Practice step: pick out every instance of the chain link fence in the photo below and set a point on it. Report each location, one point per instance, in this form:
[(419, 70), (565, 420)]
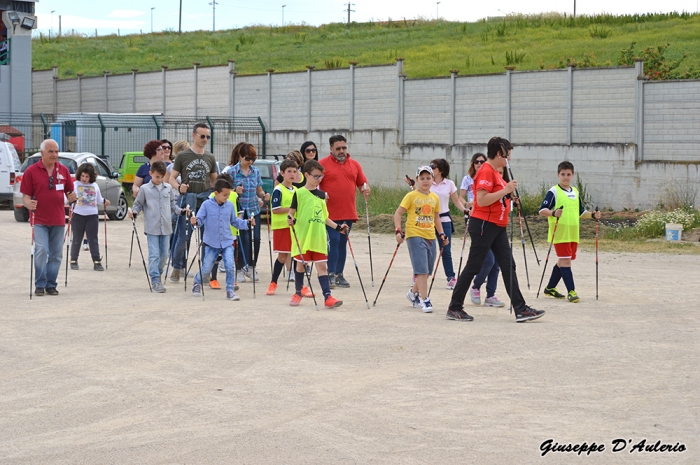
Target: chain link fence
[(109, 135)]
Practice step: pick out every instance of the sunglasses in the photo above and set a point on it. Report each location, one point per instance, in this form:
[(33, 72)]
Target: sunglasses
[(252, 160), (317, 177), (433, 165), (310, 151), (203, 136), (51, 183), (479, 162), (166, 147), (159, 149)]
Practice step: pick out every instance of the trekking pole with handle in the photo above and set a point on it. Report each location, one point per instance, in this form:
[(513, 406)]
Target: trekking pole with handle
[(522, 241), (358, 272), (172, 245), (187, 243), (464, 243), (269, 239), (252, 258), (387, 272), (131, 250), (303, 263), (67, 235), (369, 241), (596, 254), (517, 194), (200, 246), (512, 260), (550, 250), (31, 261), (104, 211), (138, 242)]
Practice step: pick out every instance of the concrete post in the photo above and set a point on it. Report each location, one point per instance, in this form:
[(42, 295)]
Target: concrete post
[(352, 95), (399, 87), (106, 73), (231, 88), (453, 105), (133, 89), (639, 108), (80, 93), (570, 112), (402, 112), (509, 70), (269, 98), (196, 78), (163, 69), (55, 90), (308, 111)]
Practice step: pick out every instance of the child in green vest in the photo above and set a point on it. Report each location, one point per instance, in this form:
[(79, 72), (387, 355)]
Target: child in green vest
[(563, 202), (308, 216)]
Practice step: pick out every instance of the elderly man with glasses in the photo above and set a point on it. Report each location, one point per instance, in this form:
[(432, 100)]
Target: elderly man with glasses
[(44, 186), (197, 169)]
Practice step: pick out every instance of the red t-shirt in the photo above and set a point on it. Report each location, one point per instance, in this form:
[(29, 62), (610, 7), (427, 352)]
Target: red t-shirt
[(49, 207), (489, 180), (341, 181)]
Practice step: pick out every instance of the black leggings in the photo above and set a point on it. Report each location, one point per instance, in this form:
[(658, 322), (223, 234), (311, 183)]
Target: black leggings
[(85, 224), (487, 236)]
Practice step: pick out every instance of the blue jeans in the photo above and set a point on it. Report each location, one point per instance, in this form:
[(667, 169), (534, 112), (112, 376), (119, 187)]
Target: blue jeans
[(210, 256), (48, 243), (448, 228), (490, 269), (337, 248), (182, 239), (157, 255), (245, 243)]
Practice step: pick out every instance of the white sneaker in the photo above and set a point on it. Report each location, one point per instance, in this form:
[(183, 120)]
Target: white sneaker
[(452, 283), (413, 298), (249, 274), (85, 245), (493, 302), (230, 295), (426, 306), (475, 295), (291, 276), (240, 277), (222, 267)]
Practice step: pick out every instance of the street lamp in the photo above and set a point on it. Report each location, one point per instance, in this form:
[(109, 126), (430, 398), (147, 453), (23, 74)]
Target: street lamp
[(437, 10), (283, 14), (51, 29), (152, 8)]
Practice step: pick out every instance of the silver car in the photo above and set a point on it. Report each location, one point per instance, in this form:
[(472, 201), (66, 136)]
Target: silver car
[(110, 188)]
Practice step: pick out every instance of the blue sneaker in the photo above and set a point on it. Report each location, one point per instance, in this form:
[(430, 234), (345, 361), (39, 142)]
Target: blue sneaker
[(413, 298)]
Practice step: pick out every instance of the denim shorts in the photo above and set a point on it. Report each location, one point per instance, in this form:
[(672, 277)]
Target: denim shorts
[(422, 253)]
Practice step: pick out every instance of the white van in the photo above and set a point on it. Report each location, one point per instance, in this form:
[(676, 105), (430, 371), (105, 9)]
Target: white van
[(9, 168)]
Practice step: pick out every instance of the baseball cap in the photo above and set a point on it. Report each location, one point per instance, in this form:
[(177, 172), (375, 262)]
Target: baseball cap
[(424, 168)]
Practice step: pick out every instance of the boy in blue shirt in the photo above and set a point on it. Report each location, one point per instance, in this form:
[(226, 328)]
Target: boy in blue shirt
[(217, 214)]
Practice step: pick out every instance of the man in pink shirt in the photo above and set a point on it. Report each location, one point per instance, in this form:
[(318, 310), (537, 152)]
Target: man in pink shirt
[(43, 187), (342, 176)]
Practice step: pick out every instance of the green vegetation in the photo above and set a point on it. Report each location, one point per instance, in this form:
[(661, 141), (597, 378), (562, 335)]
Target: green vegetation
[(430, 48)]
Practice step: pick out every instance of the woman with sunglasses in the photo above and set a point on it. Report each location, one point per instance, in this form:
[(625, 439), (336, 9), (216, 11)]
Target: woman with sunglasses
[(490, 268), (298, 159), (309, 150), (153, 150)]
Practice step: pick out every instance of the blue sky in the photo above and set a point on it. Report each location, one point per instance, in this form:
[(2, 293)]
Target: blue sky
[(132, 16)]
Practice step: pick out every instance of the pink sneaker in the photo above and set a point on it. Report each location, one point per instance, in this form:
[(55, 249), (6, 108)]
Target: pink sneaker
[(451, 283), (493, 302), (475, 295)]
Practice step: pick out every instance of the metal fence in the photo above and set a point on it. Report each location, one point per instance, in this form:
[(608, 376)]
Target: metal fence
[(109, 135)]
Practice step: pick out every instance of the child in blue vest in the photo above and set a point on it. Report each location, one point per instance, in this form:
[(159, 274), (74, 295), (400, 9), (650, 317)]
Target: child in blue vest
[(563, 202)]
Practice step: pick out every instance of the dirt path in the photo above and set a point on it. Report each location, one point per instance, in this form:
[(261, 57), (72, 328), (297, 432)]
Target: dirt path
[(109, 373)]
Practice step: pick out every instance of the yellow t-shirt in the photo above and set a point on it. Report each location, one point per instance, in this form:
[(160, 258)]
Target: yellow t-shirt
[(420, 211)]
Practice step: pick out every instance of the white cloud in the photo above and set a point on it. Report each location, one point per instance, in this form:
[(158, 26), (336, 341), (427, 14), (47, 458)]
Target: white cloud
[(126, 14)]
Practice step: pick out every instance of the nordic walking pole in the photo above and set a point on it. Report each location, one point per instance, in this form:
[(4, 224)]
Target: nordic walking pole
[(358, 272), (138, 242), (597, 221), (269, 239), (187, 244), (131, 250), (517, 194), (549, 251), (70, 217), (303, 263), (172, 245), (464, 243), (200, 245), (252, 260), (387, 272), (104, 210), (522, 241), (289, 275), (31, 261), (369, 241), (437, 264), (512, 259)]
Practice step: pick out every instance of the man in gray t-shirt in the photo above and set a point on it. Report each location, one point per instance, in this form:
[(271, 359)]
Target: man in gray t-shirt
[(196, 171)]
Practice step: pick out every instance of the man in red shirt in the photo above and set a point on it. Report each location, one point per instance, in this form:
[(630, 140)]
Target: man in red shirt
[(342, 176), (44, 185), (487, 229)]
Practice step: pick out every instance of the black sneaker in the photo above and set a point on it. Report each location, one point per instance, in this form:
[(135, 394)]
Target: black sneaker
[(458, 315), (39, 291), (74, 265), (97, 265), (51, 291), (552, 292), (527, 314), (341, 281)]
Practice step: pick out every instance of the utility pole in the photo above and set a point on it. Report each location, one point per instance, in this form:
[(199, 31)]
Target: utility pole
[(179, 24), (437, 11), (283, 14), (213, 6), (152, 8), (349, 10), (574, 9)]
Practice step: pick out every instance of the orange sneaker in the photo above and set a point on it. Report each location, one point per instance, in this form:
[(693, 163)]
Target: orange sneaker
[(296, 300), (306, 292), (331, 302), (271, 289), (214, 284)]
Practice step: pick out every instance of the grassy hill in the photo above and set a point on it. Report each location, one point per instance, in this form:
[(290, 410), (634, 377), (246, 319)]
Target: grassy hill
[(430, 48)]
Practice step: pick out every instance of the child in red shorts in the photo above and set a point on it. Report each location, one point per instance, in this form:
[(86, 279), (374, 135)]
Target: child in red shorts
[(563, 202)]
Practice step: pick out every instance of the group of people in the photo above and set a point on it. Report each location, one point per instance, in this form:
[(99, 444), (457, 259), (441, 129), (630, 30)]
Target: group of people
[(311, 213)]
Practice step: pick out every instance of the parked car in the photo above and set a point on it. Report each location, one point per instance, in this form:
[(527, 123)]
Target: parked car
[(128, 166), (110, 188), (9, 169)]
